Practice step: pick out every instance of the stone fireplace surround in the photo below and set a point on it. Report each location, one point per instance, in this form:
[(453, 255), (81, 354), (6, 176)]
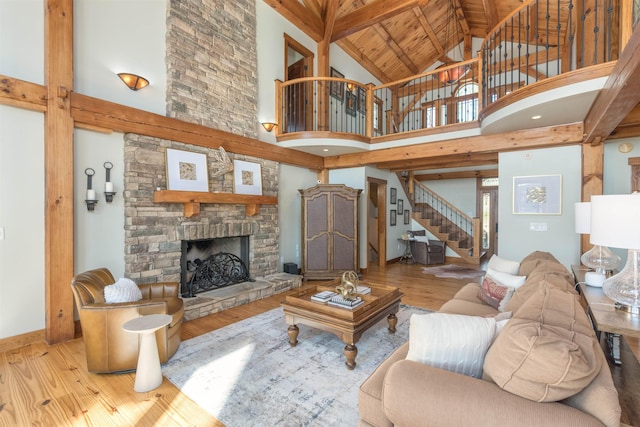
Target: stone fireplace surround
[(154, 231), (211, 57)]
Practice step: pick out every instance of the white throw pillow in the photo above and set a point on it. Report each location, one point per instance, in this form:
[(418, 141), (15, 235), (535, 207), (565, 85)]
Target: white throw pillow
[(124, 290), (506, 279), (504, 265), (454, 342)]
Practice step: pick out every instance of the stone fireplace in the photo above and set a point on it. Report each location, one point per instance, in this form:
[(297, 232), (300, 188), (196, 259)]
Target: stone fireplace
[(211, 81)]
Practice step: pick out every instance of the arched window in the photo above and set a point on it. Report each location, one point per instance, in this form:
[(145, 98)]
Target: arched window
[(467, 94)]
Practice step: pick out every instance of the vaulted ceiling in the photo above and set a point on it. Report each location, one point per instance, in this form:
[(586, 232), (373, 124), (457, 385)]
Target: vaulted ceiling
[(396, 39)]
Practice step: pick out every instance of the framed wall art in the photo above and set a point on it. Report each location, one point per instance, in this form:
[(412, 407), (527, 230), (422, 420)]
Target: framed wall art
[(400, 206), (247, 178), (336, 88), (393, 196), (186, 171), (392, 217), (350, 107), (537, 195), (362, 101), (407, 216)]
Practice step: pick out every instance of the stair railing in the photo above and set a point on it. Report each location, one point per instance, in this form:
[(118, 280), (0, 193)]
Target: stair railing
[(424, 197)]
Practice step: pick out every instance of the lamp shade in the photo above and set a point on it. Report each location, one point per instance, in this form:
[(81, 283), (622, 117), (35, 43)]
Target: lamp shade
[(615, 221), (583, 217)]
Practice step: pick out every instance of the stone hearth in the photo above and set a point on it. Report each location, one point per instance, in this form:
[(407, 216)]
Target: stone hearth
[(217, 300)]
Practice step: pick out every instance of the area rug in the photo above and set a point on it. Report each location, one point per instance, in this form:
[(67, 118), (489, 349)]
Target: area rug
[(247, 374), (453, 271)]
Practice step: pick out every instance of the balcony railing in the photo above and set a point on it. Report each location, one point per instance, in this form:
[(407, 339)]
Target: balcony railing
[(540, 40)]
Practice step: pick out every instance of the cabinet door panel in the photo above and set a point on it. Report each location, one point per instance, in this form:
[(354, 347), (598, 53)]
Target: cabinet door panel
[(317, 215), (344, 215), (343, 253), (317, 256)]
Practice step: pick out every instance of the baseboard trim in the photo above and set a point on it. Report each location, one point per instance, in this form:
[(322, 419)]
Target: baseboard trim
[(17, 341)]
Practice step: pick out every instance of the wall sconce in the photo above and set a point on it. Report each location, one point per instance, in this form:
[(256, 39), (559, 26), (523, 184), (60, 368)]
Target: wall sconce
[(350, 86), (268, 126), (108, 185), (91, 193), (133, 81)]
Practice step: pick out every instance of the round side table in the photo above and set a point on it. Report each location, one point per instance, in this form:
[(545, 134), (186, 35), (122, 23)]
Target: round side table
[(148, 371)]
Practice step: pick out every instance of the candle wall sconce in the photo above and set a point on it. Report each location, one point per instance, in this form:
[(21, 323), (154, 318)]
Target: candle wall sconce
[(108, 185), (91, 193)]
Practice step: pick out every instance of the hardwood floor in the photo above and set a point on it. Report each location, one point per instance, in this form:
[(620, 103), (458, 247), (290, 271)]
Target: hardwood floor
[(50, 385)]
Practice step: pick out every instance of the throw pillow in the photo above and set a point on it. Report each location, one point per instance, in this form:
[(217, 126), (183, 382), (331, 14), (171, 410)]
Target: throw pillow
[(124, 290), (454, 342), (506, 279), (494, 293), (547, 352), (504, 265)]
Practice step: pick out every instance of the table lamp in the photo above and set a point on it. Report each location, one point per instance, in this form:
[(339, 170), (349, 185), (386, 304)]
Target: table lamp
[(615, 222), (599, 258)]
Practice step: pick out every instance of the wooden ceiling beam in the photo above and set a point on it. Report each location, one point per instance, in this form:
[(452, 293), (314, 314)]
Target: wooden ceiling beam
[(86, 110), (438, 162), (545, 137), (22, 94), (300, 16), (370, 14), (462, 19), (428, 29), (358, 56), (480, 173), (491, 14), (620, 95), (384, 34)]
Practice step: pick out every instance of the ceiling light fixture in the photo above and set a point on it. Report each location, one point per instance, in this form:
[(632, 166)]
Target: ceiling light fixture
[(452, 75), (133, 81), (536, 117)]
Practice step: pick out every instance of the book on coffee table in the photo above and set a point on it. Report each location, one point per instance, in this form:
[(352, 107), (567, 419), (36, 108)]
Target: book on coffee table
[(365, 290), (323, 296), (338, 301)]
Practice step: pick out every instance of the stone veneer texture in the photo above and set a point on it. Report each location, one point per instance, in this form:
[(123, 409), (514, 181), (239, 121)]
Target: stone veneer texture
[(212, 81)]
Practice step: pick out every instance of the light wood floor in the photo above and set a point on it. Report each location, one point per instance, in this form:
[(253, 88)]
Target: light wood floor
[(50, 385)]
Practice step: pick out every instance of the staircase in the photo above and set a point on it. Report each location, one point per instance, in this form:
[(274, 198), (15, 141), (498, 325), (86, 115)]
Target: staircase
[(461, 232)]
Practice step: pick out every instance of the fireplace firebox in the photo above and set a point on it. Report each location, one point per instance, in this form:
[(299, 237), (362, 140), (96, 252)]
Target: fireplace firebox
[(210, 264)]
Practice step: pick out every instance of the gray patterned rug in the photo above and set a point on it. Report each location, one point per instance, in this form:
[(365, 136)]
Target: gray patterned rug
[(246, 374)]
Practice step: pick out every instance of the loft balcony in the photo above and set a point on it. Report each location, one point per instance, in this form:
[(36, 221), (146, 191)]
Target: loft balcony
[(548, 58)]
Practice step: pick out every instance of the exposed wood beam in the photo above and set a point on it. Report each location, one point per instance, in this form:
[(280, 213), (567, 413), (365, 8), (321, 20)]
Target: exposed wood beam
[(23, 94), (441, 162), (357, 55), (428, 29), (620, 95), (391, 43), (58, 165), (300, 16), (370, 14), (482, 173), (120, 118), (545, 137), (490, 13), (315, 6), (462, 19)]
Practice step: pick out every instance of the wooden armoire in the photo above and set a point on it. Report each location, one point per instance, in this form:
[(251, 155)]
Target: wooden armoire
[(329, 231)]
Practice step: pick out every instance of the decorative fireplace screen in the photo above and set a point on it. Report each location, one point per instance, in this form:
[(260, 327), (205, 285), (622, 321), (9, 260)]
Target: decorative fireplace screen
[(214, 263)]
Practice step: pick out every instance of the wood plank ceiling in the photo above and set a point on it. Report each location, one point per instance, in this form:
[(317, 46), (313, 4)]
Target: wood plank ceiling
[(395, 39)]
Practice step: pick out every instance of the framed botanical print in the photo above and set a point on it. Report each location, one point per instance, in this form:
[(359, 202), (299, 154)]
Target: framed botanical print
[(187, 171)]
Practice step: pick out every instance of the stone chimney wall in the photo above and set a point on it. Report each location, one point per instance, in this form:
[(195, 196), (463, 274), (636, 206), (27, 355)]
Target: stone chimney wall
[(212, 81)]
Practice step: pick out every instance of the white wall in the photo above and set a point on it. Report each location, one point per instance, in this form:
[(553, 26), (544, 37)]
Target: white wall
[(516, 240), (461, 193), (21, 217), (291, 180)]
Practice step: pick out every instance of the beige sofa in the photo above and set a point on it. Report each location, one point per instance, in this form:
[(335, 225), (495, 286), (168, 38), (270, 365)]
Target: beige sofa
[(402, 392)]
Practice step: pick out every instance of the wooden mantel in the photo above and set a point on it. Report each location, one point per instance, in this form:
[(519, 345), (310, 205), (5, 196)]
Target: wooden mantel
[(192, 200)]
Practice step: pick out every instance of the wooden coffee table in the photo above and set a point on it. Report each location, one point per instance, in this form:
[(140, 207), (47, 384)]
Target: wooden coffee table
[(348, 325)]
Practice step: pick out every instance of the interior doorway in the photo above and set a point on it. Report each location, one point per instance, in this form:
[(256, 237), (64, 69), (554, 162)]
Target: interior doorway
[(376, 222), (488, 209), (298, 107)]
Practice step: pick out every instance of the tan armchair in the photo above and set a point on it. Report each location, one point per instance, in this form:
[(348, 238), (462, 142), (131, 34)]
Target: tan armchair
[(427, 251), (108, 347)]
